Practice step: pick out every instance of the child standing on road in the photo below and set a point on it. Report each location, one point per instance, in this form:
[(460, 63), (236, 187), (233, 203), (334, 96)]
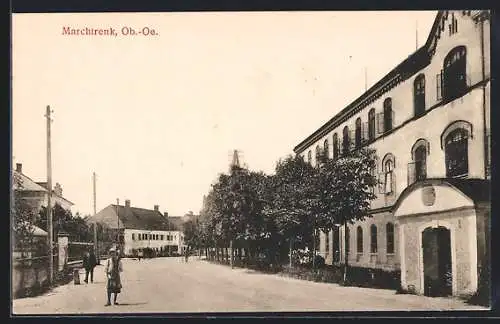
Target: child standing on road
[(113, 269)]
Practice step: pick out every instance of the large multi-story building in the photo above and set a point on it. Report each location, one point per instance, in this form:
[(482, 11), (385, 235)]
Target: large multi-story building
[(428, 120)]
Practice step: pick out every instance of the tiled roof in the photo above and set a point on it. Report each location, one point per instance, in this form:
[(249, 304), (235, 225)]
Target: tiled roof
[(27, 184), (136, 218)]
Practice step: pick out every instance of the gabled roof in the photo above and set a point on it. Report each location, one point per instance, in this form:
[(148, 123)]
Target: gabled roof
[(27, 184), (407, 68), (478, 190), (133, 218)]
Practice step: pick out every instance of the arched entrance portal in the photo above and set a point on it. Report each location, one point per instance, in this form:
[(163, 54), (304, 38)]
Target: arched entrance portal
[(437, 261)]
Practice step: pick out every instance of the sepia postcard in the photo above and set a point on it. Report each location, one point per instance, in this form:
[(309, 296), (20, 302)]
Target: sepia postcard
[(250, 162)]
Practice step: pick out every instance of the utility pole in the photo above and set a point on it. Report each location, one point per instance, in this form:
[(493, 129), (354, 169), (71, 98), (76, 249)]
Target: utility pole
[(49, 205), (96, 250), (366, 79), (117, 224)]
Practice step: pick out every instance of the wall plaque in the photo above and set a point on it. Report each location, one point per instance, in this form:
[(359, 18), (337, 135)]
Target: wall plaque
[(428, 195)]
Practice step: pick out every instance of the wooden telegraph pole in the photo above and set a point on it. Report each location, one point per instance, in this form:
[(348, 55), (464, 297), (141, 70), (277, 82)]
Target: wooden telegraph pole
[(49, 205), (96, 248)]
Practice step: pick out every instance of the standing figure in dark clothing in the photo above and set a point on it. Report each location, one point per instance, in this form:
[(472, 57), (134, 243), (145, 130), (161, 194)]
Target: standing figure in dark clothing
[(89, 263), (113, 269)]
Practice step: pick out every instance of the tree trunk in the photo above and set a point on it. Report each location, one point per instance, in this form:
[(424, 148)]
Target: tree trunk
[(232, 254), (291, 250), (346, 253), (314, 250)]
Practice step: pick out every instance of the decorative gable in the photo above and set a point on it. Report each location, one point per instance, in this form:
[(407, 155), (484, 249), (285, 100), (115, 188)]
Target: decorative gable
[(448, 23)]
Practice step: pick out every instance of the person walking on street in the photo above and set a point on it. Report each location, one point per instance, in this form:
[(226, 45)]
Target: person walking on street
[(113, 268), (89, 263), (186, 255)]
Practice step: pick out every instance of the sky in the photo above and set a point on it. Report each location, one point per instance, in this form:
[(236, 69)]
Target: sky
[(157, 117)]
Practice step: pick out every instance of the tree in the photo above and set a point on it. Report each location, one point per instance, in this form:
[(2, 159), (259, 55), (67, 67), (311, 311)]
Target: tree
[(64, 222), (345, 189), (292, 203), (191, 234), (23, 213)]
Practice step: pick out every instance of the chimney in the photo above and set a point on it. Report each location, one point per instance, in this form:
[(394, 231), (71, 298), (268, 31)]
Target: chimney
[(19, 167), (157, 208), (127, 203), (165, 214)]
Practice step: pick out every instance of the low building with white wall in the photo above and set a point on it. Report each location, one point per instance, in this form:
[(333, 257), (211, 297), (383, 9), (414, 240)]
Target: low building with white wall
[(141, 228)]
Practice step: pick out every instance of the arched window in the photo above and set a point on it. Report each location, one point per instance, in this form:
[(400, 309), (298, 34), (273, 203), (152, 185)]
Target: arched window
[(358, 133), (456, 153), (388, 165), (373, 238), (389, 232), (371, 124), (417, 169), (345, 140), (359, 239), (326, 150), (335, 146), (309, 156), (420, 162), (419, 95), (454, 82), (318, 152), (388, 114)]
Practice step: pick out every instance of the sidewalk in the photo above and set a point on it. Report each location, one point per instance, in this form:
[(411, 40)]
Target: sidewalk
[(59, 298)]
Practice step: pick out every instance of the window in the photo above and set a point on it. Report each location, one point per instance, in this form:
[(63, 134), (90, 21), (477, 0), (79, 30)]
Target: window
[(371, 124), (388, 183), (327, 242), (133, 237), (359, 239), (387, 177), (388, 114), (358, 133), (389, 232), (335, 146), (453, 77), (318, 152), (345, 140), (326, 150), (419, 95), (348, 240), (456, 153), (373, 239), (417, 168), (420, 165), (161, 237), (309, 157)]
